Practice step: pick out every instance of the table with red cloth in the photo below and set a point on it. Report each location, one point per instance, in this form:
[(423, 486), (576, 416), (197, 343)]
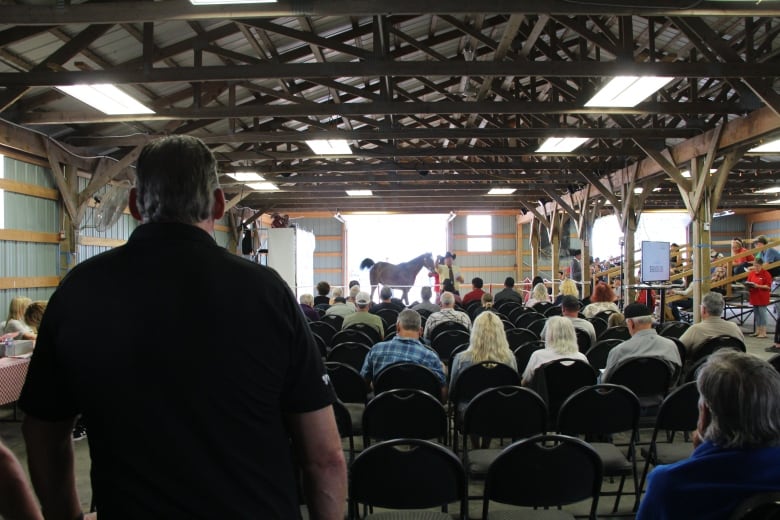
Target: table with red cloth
[(13, 371)]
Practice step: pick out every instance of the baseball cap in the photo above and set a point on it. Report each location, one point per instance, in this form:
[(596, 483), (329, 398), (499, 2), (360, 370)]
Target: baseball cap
[(362, 298), (636, 310)]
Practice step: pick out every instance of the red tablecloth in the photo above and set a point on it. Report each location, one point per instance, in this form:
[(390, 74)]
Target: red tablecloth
[(13, 371)]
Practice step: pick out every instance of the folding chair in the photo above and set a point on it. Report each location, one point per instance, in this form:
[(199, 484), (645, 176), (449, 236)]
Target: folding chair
[(404, 413), (407, 375)]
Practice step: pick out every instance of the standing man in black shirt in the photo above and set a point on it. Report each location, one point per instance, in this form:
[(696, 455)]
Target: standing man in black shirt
[(190, 413)]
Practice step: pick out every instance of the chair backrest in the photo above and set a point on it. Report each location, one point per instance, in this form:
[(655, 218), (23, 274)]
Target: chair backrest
[(343, 419), (648, 377), (523, 353), (557, 380), (541, 307), (368, 330), (599, 325), (620, 332), (445, 342), (323, 329), (409, 376), (447, 325), (334, 320), (762, 506), (603, 315), (717, 343), (388, 315), (481, 376), (457, 350), (404, 413), (537, 472), (471, 308), (598, 353), (680, 410), (510, 412), (352, 354), (351, 335), (407, 474), (673, 329), (527, 318), (517, 337), (349, 385), (514, 312), (599, 410), (553, 310), (322, 346), (583, 339), (537, 326), (507, 306)]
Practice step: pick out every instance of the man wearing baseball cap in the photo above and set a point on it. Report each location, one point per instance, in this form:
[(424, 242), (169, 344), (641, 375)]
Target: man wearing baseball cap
[(362, 304), (644, 342)]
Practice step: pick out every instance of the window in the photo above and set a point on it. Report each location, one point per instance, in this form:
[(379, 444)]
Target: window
[(479, 229)]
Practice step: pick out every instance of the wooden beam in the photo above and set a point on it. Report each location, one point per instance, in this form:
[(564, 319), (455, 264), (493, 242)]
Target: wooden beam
[(33, 190), (29, 282), (22, 235)]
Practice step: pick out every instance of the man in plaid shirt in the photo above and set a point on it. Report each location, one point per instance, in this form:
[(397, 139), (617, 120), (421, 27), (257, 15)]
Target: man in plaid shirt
[(447, 313), (405, 347)]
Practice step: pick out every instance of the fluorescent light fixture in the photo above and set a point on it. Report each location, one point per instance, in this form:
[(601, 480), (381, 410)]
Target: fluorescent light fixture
[(329, 147), (687, 173), (262, 186), (776, 201), (771, 146), (724, 213), (502, 191), (638, 190), (627, 91), (451, 216), (221, 2), (360, 193), (773, 189), (561, 144), (106, 98), (339, 217), (246, 176)]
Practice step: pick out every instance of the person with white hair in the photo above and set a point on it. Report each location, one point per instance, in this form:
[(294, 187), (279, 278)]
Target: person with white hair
[(737, 443), (538, 294), (487, 343), (307, 307), (560, 341), (711, 325), (447, 313)]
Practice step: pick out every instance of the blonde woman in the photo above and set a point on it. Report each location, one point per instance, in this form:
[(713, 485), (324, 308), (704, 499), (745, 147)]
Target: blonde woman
[(567, 288), (560, 341), (538, 294), (487, 343), (15, 323)]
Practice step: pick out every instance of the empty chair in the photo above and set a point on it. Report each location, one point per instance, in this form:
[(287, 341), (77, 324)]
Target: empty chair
[(404, 413), (700, 354), (648, 377), (543, 471), (351, 389), (552, 310), (370, 331), (517, 337), (511, 412), (322, 345), (351, 335), (527, 318), (673, 329), (408, 474), (344, 424), (599, 325), (334, 320), (598, 353), (557, 380), (388, 316), (507, 306), (324, 330), (446, 341), (679, 412), (615, 333), (541, 307), (537, 326), (515, 312), (583, 339), (407, 375), (523, 353), (472, 308), (352, 354), (598, 412)]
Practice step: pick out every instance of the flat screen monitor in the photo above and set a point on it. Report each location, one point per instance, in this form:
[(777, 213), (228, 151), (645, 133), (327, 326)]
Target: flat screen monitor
[(655, 261)]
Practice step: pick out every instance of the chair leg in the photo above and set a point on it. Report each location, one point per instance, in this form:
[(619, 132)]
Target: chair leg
[(619, 494)]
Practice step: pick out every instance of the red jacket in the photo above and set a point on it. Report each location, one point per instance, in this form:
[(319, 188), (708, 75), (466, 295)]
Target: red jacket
[(759, 297)]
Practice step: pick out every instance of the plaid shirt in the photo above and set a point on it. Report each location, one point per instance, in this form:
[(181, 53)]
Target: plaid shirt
[(400, 350), (445, 315)]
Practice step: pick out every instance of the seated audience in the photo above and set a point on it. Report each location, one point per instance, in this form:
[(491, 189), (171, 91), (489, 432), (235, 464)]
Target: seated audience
[(341, 307), (602, 299), (538, 294), (508, 293), (475, 294), (307, 306), (487, 343), (322, 298), (486, 304), (711, 325), (737, 442), (361, 315), (353, 291), (741, 264), (570, 309), (447, 286), (15, 323), (527, 292), (426, 304), (385, 296), (404, 347), (767, 254), (338, 292), (33, 315), (644, 342), (447, 313), (567, 288), (616, 319), (560, 341)]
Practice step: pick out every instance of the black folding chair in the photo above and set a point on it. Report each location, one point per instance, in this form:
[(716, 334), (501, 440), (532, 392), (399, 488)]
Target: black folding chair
[(648, 377), (620, 332), (409, 376), (557, 380), (673, 329), (516, 337), (762, 506), (446, 341), (351, 389), (369, 331), (598, 353), (524, 352), (406, 413), (352, 354), (351, 335), (324, 330)]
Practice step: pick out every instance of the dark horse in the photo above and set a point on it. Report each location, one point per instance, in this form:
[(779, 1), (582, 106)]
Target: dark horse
[(401, 276)]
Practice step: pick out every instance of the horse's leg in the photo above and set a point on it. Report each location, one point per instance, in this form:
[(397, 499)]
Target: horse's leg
[(405, 296), (372, 280)]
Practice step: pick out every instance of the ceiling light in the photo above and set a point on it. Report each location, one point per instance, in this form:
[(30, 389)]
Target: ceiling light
[(686, 174), (106, 98), (219, 2), (724, 213), (329, 147), (262, 186), (339, 217), (561, 144), (776, 201), (451, 216), (638, 190), (360, 193), (771, 146), (773, 189), (246, 176), (627, 91), (502, 191)]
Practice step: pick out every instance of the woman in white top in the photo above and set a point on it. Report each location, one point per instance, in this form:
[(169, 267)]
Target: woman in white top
[(560, 341), (602, 299), (15, 321), (538, 294)]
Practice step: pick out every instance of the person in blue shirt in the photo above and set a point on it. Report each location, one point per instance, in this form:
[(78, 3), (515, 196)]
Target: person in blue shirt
[(737, 443), (769, 254)]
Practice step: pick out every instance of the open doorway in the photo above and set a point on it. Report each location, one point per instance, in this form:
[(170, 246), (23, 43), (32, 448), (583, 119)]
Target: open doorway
[(394, 239)]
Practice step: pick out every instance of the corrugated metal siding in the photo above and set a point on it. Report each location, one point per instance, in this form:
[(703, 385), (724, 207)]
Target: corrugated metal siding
[(27, 173), (31, 213), (770, 228), (329, 248), (723, 229)]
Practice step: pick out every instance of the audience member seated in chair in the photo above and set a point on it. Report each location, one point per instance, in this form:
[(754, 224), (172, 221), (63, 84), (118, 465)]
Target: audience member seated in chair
[(475, 294), (560, 341), (362, 303), (738, 443), (307, 307), (447, 313), (426, 304), (508, 293), (602, 299), (385, 297), (405, 347), (570, 309), (644, 342), (711, 325)]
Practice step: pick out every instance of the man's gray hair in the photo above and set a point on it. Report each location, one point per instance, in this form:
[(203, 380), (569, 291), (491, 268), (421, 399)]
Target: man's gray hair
[(425, 293), (176, 179), (713, 302), (408, 320), (447, 299), (641, 320), (386, 293), (307, 299), (742, 393)]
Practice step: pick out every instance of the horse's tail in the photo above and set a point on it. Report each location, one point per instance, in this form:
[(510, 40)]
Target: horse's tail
[(366, 264)]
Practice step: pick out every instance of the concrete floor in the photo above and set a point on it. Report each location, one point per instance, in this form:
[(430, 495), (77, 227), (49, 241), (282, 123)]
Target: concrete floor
[(10, 433)]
